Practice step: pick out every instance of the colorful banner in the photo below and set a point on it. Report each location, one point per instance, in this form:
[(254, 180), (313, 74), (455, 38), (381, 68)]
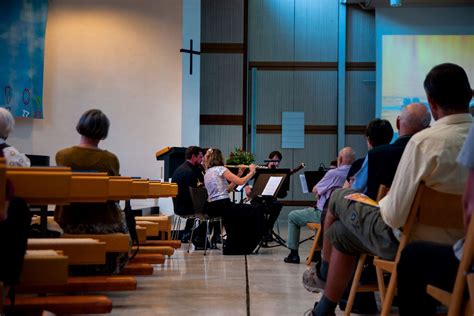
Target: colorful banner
[(22, 31)]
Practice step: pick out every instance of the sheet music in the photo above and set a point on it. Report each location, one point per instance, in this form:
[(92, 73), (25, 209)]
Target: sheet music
[(304, 184), (272, 186)]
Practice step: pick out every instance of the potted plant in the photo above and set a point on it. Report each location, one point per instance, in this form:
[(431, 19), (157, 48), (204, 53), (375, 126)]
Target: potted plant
[(240, 157)]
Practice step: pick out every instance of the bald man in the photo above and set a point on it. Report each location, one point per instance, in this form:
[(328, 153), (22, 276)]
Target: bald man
[(332, 180), (381, 162)]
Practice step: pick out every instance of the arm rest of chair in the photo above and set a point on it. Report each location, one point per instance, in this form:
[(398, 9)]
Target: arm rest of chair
[(441, 295)]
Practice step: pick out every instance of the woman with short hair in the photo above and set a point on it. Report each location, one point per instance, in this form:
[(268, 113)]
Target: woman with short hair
[(13, 157), (93, 218)]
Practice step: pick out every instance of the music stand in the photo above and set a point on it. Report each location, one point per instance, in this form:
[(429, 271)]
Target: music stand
[(270, 184)]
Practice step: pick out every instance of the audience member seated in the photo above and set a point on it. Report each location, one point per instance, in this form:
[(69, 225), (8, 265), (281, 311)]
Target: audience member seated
[(13, 157), (332, 180), (381, 162), (424, 263), (353, 228), (244, 224), (188, 174), (378, 132), (15, 216), (93, 218)]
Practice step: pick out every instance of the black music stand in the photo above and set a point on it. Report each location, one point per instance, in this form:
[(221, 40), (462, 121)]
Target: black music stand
[(261, 193)]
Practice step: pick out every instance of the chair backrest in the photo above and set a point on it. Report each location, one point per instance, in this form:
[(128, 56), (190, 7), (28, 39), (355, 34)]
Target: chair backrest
[(198, 197), (435, 209)]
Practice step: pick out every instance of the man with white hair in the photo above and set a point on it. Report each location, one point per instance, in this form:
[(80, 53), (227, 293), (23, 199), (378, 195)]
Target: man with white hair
[(381, 162), (11, 154), (332, 180)]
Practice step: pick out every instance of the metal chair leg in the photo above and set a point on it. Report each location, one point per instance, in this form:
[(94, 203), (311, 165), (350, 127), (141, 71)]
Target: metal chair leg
[(176, 226), (222, 234), (207, 236), (192, 232)]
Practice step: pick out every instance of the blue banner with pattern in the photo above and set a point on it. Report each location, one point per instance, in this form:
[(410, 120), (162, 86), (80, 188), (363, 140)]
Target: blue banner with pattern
[(22, 31)]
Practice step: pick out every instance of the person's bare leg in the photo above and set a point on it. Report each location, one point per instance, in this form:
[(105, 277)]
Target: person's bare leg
[(339, 275), (340, 272)]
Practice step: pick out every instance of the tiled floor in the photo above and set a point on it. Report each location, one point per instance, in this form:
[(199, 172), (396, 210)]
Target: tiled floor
[(191, 284)]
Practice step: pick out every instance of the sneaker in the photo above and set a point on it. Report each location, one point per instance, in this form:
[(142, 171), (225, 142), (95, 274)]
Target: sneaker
[(292, 259), (312, 282)]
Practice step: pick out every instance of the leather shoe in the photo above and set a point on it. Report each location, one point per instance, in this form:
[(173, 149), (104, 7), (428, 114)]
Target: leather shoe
[(292, 259)]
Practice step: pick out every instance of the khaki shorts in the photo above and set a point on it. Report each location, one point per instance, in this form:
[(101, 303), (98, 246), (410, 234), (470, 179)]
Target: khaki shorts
[(359, 228)]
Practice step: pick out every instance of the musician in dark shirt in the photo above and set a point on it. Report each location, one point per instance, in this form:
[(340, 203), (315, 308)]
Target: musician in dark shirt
[(189, 174)]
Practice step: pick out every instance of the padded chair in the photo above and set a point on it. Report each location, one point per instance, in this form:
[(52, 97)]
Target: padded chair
[(454, 301), (199, 198), (431, 208)]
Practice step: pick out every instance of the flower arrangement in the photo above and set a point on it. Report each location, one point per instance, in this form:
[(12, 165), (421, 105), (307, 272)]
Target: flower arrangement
[(240, 157)]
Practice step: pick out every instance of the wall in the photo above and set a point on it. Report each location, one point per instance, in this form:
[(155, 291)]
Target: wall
[(122, 58), (419, 21), (279, 33), (222, 58)]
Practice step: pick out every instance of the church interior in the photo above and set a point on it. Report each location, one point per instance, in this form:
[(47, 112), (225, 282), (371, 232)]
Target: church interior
[(240, 157)]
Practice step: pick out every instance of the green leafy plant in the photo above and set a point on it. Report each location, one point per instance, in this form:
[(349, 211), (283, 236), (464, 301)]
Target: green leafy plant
[(240, 157)]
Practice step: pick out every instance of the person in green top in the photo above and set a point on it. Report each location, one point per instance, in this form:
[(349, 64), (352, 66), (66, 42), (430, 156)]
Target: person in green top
[(93, 218)]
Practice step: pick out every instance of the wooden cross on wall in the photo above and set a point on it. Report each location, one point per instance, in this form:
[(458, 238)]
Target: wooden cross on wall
[(191, 52)]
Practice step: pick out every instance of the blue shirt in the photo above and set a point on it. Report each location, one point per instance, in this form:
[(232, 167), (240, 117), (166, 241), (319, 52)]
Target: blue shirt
[(333, 179)]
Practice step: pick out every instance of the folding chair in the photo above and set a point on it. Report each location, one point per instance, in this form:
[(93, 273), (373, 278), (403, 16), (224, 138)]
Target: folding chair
[(199, 197), (454, 301), (431, 208), (356, 287)]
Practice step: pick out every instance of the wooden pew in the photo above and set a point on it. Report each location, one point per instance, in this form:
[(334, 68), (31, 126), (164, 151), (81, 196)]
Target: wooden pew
[(86, 284), (163, 250), (138, 269), (96, 304), (141, 232), (115, 242), (80, 187), (73, 248), (176, 244), (164, 223), (44, 267), (41, 185), (48, 267), (102, 188), (152, 228)]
